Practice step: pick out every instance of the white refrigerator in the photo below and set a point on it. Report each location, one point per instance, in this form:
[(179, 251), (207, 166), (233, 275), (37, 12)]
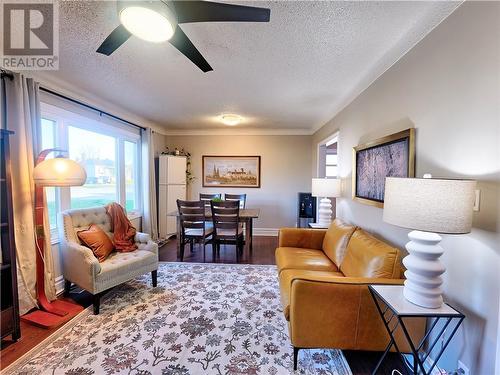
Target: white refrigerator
[(171, 186)]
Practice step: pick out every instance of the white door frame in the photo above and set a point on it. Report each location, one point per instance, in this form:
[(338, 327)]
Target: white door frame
[(332, 137)]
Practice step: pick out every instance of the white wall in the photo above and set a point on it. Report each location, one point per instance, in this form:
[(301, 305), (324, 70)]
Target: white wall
[(285, 171), (448, 88)]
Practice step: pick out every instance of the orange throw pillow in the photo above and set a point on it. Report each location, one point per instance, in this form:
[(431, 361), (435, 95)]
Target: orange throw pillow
[(97, 240)]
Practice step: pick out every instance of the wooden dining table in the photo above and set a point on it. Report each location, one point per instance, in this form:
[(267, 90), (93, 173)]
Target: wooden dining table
[(246, 216)]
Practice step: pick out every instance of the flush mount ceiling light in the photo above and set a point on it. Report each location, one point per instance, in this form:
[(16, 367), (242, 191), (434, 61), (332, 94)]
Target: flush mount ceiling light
[(151, 21), (230, 119)]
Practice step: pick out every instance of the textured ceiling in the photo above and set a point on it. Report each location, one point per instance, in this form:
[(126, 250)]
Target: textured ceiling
[(295, 72)]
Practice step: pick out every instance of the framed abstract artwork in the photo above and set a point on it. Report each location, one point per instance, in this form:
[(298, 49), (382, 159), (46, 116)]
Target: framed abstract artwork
[(393, 156), (231, 171)]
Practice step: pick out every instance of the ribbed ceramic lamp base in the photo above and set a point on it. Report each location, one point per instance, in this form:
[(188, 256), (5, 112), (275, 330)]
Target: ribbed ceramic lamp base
[(325, 212), (424, 269)]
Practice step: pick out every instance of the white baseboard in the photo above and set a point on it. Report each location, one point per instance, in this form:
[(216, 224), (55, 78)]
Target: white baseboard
[(271, 232)]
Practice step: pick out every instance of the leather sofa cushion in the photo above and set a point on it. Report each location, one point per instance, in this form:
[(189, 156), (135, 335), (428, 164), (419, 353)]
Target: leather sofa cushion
[(286, 278), (95, 238), (300, 258), (367, 256), (336, 239)]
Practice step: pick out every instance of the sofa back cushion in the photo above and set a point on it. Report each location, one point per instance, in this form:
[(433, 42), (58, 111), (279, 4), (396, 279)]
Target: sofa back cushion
[(367, 256), (336, 239)]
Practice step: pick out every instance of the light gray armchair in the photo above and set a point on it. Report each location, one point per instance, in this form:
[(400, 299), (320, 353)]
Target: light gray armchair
[(81, 267)]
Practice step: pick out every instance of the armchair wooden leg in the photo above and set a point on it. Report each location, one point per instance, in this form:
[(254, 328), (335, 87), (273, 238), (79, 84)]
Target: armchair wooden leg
[(295, 357), (67, 288), (97, 303), (191, 246), (154, 277)]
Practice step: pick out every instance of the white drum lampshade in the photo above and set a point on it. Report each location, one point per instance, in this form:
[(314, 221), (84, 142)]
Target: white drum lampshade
[(325, 188), (59, 172), (428, 206)]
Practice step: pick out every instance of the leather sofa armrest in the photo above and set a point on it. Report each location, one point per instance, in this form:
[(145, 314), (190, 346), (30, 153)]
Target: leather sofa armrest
[(301, 237), (339, 312)]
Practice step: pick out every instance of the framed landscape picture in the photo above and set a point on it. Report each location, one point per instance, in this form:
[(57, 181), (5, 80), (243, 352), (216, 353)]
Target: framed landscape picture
[(231, 171), (393, 156)]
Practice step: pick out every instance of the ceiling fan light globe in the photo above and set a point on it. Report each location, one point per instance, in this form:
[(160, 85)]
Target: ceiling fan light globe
[(148, 23)]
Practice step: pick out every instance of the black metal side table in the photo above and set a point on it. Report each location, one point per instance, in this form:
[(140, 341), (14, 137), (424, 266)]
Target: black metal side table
[(391, 303)]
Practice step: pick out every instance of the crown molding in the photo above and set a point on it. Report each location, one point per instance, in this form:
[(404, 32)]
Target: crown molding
[(236, 131)]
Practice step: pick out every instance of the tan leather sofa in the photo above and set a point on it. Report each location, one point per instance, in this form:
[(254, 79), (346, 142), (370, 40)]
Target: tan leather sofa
[(324, 277)]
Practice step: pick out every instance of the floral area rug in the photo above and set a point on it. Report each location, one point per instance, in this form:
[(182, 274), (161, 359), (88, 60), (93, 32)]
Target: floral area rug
[(201, 319)]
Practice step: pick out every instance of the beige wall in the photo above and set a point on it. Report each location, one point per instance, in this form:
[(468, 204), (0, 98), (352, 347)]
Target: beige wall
[(447, 87), (285, 171)]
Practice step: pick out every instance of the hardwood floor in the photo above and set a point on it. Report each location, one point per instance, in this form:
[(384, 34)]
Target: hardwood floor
[(361, 363)]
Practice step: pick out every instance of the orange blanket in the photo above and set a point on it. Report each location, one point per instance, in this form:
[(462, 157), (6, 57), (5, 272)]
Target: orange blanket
[(123, 230)]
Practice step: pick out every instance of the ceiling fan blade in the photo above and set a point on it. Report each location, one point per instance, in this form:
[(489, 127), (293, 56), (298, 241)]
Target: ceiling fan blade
[(180, 41), (114, 40), (206, 11)]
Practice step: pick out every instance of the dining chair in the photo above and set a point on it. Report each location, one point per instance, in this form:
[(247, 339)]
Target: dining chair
[(226, 225), (206, 198), (242, 198), (193, 227)]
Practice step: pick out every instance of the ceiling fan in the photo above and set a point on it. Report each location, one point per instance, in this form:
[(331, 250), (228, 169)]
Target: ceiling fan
[(158, 21)]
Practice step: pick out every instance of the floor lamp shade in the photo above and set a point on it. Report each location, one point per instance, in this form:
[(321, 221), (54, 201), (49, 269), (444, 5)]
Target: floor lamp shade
[(59, 172), (428, 206), (325, 188)]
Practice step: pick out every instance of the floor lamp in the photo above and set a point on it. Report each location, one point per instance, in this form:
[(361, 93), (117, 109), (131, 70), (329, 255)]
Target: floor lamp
[(58, 172), (429, 206), (324, 188)]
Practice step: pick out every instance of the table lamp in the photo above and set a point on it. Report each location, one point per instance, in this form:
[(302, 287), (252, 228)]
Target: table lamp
[(428, 206), (325, 188), (60, 172)]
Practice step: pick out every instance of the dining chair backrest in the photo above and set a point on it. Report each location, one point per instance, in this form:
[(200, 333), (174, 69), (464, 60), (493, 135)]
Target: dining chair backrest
[(206, 198), (191, 214), (242, 198), (225, 217)]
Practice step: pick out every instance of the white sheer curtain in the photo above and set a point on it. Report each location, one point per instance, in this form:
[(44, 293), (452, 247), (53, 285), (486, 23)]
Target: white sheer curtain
[(23, 117), (149, 218)]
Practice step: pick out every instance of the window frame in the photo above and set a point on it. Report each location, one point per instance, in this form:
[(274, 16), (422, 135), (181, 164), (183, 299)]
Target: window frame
[(64, 119)]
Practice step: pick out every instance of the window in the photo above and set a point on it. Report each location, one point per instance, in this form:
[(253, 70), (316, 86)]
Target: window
[(131, 191), (97, 154), (328, 158), (331, 164), (109, 154)]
